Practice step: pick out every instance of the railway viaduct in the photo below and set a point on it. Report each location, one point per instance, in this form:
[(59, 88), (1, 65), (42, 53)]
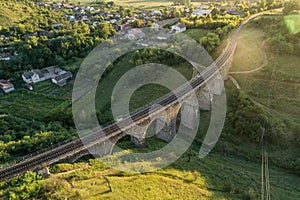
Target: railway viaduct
[(205, 88), (165, 120)]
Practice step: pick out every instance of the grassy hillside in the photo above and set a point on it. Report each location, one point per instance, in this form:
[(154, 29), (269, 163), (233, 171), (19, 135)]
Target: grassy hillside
[(271, 78), (218, 176), (276, 85), (148, 4), (12, 11)]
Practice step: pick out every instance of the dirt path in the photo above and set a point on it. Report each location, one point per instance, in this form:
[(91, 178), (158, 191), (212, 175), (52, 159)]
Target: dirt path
[(234, 81), (74, 170), (261, 66)]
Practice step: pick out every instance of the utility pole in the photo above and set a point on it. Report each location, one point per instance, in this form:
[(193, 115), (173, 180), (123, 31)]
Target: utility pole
[(265, 179), (262, 165)]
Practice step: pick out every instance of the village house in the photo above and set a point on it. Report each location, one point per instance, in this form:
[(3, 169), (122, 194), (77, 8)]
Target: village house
[(179, 27), (5, 56), (57, 25), (134, 34), (233, 11), (156, 26), (199, 12), (156, 12), (35, 76), (6, 86), (62, 78)]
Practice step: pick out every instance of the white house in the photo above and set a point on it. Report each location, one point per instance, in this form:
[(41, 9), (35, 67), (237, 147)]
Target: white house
[(33, 76), (5, 56), (156, 12), (61, 79), (134, 34), (200, 13), (156, 26), (113, 21), (179, 27)]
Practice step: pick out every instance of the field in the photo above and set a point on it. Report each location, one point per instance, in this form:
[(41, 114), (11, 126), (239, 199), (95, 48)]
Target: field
[(249, 51), (48, 88), (146, 4), (142, 96), (13, 12), (276, 86), (141, 5), (19, 103), (196, 34), (218, 176)]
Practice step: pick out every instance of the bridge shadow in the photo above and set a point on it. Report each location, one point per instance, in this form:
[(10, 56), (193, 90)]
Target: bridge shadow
[(214, 176), (217, 176)]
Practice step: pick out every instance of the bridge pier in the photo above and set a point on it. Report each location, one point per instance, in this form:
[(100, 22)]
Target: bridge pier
[(98, 150), (138, 134), (189, 114), (139, 142), (168, 129), (205, 98), (44, 172)]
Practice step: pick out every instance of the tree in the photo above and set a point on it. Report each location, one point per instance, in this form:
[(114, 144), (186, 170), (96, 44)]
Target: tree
[(289, 6), (210, 42), (137, 23)]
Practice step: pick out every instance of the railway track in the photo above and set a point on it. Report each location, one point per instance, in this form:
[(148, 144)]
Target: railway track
[(114, 129)]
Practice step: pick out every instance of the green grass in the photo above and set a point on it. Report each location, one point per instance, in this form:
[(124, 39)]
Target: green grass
[(220, 175), (13, 11), (276, 86), (141, 5), (248, 54), (29, 105), (142, 96), (146, 4), (196, 34), (49, 88)]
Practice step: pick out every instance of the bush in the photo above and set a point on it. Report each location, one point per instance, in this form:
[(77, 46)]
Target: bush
[(249, 195), (244, 118)]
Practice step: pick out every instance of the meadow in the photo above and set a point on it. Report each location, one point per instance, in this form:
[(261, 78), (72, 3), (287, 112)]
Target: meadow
[(13, 12), (196, 34), (19, 103), (141, 5), (220, 175), (276, 85)]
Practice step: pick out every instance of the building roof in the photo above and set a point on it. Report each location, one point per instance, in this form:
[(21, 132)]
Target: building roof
[(63, 76), (168, 21), (28, 75), (136, 32), (38, 72), (5, 84), (180, 25), (201, 12)]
